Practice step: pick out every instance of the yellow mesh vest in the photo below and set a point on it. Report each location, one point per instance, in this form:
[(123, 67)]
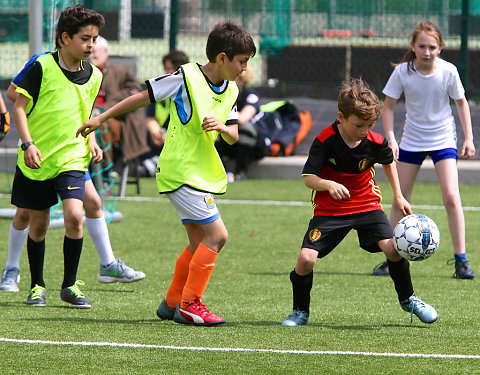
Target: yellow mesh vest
[(62, 107), (189, 156)]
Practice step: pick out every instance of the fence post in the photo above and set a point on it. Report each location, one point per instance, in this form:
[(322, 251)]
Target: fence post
[(464, 44), (35, 27), (173, 24)]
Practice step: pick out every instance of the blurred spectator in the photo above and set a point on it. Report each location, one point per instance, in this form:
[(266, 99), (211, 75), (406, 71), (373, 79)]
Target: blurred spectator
[(4, 119), (119, 82), (250, 145), (157, 117)]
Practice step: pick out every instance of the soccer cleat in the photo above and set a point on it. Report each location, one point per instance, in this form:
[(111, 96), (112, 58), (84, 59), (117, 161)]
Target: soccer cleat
[(462, 269), (424, 312), (164, 312), (296, 318), (36, 296), (197, 314), (10, 279), (74, 296), (119, 271), (381, 269)]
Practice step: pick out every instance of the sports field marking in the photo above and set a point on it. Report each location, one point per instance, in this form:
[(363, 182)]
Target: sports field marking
[(247, 350)]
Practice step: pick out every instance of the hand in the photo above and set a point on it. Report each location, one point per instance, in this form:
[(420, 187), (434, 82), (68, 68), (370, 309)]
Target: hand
[(403, 205), (211, 123), (158, 139), (4, 125), (338, 191), (97, 153), (32, 155), (468, 149), (88, 127), (394, 146)]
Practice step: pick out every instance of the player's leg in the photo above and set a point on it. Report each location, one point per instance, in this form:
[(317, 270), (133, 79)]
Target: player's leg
[(191, 310), (111, 269), (447, 174), (39, 222), (407, 174), (400, 274), (167, 307), (16, 239)]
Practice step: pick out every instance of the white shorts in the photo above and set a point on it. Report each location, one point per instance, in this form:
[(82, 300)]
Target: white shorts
[(194, 206)]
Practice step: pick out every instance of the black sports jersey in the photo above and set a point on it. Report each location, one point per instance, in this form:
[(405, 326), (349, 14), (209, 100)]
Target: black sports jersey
[(330, 158)]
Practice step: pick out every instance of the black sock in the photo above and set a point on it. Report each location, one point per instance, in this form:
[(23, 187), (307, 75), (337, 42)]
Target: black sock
[(400, 274), (301, 286), (72, 248), (36, 256)]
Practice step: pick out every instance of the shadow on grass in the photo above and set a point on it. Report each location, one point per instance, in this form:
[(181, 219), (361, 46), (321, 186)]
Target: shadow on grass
[(369, 274), (326, 326)]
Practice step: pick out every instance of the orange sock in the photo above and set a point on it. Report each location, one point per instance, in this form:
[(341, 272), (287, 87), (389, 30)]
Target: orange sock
[(175, 290), (200, 270)]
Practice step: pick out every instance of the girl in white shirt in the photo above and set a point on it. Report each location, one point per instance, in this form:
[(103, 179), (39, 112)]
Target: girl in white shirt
[(428, 83)]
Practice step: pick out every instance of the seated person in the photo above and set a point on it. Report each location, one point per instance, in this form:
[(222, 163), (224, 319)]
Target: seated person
[(128, 140), (238, 156)]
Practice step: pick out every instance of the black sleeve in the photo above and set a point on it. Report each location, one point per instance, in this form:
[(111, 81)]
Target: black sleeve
[(385, 154), (315, 160), (150, 110), (32, 80)]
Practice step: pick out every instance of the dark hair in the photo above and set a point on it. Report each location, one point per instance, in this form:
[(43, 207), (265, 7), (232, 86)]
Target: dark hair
[(72, 19), (355, 98), (230, 38), (427, 27), (176, 57)]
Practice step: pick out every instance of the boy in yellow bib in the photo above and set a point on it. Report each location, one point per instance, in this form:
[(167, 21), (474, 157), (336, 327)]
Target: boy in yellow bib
[(55, 96), (189, 170)]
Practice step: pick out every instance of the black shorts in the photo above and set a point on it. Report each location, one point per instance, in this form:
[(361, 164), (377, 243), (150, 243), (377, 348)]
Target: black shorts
[(326, 232), (40, 195)]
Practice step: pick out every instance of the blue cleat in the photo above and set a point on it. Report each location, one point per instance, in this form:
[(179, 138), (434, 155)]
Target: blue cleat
[(164, 312), (296, 318), (424, 312)]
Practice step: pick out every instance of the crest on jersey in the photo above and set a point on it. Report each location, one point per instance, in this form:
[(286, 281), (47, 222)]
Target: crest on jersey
[(363, 164), (314, 235), (209, 201)]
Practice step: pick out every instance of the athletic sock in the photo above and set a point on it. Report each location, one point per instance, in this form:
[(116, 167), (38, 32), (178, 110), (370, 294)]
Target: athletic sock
[(36, 257), (175, 290), (301, 286), (16, 240), (460, 257), (98, 231), (72, 248), (400, 274), (199, 271)]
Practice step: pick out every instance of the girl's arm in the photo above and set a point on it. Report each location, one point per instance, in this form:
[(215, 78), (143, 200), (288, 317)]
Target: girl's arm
[(468, 148), (95, 149), (32, 154), (129, 104), (387, 117), (402, 203), (337, 191)]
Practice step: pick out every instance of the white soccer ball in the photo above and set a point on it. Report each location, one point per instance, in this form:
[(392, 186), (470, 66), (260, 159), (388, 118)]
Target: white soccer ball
[(416, 237)]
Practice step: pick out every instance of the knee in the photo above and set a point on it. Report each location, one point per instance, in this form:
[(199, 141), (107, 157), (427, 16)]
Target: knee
[(93, 206), (451, 201), (21, 218), (74, 221), (305, 263), (39, 227)]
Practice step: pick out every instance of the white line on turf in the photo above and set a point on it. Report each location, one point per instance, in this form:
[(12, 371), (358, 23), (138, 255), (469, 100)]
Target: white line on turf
[(266, 202), (274, 351)]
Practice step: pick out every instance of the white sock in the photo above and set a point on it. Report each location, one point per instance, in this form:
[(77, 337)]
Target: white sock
[(97, 229), (16, 240)]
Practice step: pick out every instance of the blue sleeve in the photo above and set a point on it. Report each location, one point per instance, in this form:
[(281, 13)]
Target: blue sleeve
[(18, 78)]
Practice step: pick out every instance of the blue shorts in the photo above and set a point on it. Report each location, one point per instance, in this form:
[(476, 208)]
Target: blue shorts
[(417, 157), (87, 175), (40, 195)]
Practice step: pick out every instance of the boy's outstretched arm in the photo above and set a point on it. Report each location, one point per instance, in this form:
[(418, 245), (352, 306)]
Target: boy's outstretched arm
[(126, 105), (402, 203)]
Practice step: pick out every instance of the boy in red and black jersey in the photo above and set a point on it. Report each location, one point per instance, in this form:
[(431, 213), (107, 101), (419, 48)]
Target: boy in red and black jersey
[(340, 171)]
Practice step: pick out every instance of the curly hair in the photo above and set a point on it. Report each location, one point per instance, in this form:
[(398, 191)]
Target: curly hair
[(356, 98)]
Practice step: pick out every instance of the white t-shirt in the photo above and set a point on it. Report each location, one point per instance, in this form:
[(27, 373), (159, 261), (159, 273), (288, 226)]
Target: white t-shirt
[(429, 123)]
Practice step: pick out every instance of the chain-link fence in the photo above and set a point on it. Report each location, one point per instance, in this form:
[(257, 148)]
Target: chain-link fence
[(306, 47)]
